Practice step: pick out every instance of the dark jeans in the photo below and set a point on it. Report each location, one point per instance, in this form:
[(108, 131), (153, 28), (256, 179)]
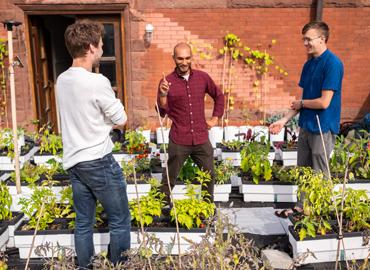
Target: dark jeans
[(102, 180), (201, 154)]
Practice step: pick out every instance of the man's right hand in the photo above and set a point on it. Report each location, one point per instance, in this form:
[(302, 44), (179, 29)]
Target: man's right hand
[(276, 127), (164, 87)]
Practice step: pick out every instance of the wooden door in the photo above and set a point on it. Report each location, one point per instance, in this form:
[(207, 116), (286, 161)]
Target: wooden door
[(44, 83)]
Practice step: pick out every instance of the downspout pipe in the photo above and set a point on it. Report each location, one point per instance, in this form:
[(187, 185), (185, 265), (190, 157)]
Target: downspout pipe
[(319, 8)]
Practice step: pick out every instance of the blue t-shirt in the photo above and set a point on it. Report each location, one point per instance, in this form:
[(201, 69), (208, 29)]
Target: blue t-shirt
[(322, 73)]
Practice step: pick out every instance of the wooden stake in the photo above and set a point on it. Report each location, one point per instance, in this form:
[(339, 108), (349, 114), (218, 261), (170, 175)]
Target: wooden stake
[(169, 186), (14, 112)]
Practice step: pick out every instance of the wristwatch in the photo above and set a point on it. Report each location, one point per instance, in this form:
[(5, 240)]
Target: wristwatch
[(161, 94), (302, 103)]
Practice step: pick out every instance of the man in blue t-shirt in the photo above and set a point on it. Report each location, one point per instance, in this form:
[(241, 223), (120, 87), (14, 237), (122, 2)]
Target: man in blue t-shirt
[(321, 81)]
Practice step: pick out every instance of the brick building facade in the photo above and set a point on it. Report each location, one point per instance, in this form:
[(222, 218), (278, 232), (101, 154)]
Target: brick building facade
[(204, 24)]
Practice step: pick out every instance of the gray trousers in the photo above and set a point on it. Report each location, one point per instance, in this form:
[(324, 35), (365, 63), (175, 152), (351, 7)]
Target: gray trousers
[(311, 153)]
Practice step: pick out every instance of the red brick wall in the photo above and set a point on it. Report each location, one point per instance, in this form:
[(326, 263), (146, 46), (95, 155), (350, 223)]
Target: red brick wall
[(349, 40), (256, 22), (24, 103)]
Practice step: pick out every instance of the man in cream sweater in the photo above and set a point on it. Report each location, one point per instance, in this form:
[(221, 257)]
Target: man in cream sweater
[(88, 110)]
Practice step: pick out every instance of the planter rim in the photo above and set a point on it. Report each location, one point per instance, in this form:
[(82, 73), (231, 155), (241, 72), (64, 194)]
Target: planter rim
[(103, 230), (57, 176), (322, 237), (31, 146), (3, 228), (54, 231), (357, 181), (23, 184), (16, 216), (270, 182), (139, 182), (47, 153)]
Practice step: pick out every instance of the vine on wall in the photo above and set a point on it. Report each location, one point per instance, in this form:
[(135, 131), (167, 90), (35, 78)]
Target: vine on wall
[(3, 85), (259, 61)]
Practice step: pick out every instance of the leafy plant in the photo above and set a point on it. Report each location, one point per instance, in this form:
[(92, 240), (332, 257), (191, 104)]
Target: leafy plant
[(142, 164), (223, 172), (255, 161), (49, 141), (66, 200), (234, 145), (150, 205), (360, 161), (188, 170), (135, 142), (317, 205), (31, 207), (291, 174), (222, 247), (356, 210), (29, 173), (194, 210), (57, 166), (138, 165), (258, 60), (117, 147), (5, 202), (6, 141), (191, 213), (354, 151), (3, 77)]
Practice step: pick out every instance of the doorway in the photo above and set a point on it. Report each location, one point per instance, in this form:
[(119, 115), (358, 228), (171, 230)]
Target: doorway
[(50, 58)]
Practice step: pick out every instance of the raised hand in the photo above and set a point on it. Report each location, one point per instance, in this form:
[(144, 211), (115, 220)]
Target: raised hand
[(164, 86)]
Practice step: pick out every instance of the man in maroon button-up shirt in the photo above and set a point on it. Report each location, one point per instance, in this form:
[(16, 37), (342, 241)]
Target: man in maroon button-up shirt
[(181, 96)]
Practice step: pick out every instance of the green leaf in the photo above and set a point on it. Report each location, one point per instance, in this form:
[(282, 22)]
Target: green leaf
[(302, 234)]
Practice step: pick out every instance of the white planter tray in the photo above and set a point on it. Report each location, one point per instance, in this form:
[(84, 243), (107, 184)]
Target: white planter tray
[(357, 186), (12, 227), (289, 158), (5, 176), (268, 192), (7, 164), (233, 157), (271, 157), (101, 240), (221, 192), (217, 153), (166, 237), (325, 248), (65, 239), (143, 189)]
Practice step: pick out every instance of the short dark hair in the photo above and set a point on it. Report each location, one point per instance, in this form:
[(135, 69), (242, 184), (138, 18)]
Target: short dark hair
[(321, 26), (80, 35)]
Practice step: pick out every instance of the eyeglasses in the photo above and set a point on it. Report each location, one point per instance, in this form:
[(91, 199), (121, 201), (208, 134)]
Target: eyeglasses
[(309, 40)]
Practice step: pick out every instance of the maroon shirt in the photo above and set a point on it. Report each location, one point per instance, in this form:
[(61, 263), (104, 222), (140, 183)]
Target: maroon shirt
[(185, 106)]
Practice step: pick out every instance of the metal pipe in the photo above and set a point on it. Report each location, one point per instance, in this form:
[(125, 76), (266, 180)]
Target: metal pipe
[(319, 9)]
